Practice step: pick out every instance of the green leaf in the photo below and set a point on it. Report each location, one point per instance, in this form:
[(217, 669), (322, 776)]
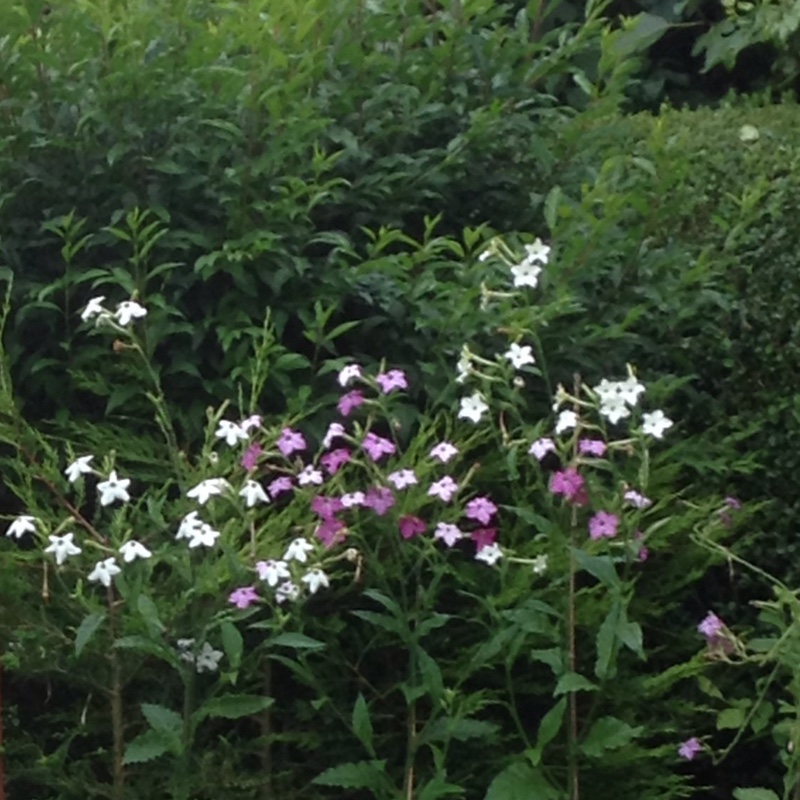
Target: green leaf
[(605, 643), (361, 723), (439, 787), (232, 643), (602, 567), (642, 31), (572, 682), (146, 747), (551, 724), (87, 629), (551, 207), (755, 793), (608, 733), (431, 675), (296, 641), (147, 608), (234, 706), (357, 775), (521, 782), (445, 729), (161, 719), (730, 719)]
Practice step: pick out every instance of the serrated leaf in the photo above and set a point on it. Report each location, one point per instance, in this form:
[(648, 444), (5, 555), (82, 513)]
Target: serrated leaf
[(161, 719), (608, 733), (521, 782), (234, 706), (362, 725), (444, 729), (601, 567), (87, 629), (356, 775), (146, 747), (572, 682)]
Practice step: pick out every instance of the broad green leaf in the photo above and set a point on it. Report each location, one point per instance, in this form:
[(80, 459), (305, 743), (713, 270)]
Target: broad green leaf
[(755, 793), (232, 643), (639, 33), (730, 719), (161, 719), (147, 608), (234, 706), (146, 747), (521, 782), (87, 629), (296, 641), (601, 567), (551, 208), (572, 682), (439, 787), (444, 729), (551, 724), (362, 725), (608, 733), (369, 775)]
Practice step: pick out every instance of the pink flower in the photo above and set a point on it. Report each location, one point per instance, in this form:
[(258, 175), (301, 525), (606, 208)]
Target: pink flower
[(447, 533), (291, 442), (481, 509), (411, 526), (444, 451), (377, 446), (444, 489), (711, 626), (571, 485), (330, 531), (690, 748), (603, 524), (637, 500), (592, 447), (643, 553), (391, 380), (335, 459), (541, 447), (379, 499), (349, 402), (402, 478), (243, 597), (483, 537), (250, 457), (326, 507), (279, 486)]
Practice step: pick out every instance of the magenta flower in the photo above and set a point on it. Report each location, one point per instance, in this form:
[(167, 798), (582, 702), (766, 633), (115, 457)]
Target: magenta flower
[(402, 478), (411, 526), (279, 486), (326, 507), (335, 459), (637, 500), (377, 446), (349, 402), (541, 447), (643, 553), (444, 489), (379, 499), (250, 456), (243, 597), (330, 531), (291, 442), (444, 451), (690, 748), (733, 503), (603, 524), (592, 447), (482, 509), (711, 626), (391, 380), (483, 537), (569, 483)]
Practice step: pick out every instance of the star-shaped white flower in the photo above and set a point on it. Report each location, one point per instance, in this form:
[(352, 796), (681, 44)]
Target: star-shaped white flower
[(298, 550), (21, 525), (132, 550), (62, 547), (309, 475), (519, 355), (104, 571), (94, 308), (566, 421), (490, 554), (655, 423), (113, 489), (473, 407), (208, 488), (287, 591), (630, 389), (526, 274), (538, 251), (204, 536), (253, 492), (315, 579), (272, 571), (190, 524), (208, 658), (614, 409), (231, 432), (129, 310), (80, 466)]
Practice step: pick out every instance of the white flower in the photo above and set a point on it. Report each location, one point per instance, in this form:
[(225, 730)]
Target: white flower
[(538, 251), (230, 432), (205, 536), (630, 389), (185, 647), (94, 308), (208, 659), (114, 489), (519, 356), (353, 499), (104, 571), (272, 571), (128, 310), (491, 554), (132, 550), (253, 421), (566, 421), (335, 429), (614, 409), (62, 547), (315, 579), (253, 492), (402, 479), (309, 475), (208, 488), (190, 525), (347, 374), (447, 533), (636, 499), (540, 565), (444, 451), (287, 591), (541, 447), (526, 274), (473, 407), (464, 366), (298, 550), (655, 423), (77, 468), (20, 526)]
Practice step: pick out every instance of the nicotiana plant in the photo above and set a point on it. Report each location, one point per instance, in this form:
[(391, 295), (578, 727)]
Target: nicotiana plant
[(210, 568)]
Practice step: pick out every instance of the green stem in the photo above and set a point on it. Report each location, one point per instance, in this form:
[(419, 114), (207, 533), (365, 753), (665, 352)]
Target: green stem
[(117, 719)]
